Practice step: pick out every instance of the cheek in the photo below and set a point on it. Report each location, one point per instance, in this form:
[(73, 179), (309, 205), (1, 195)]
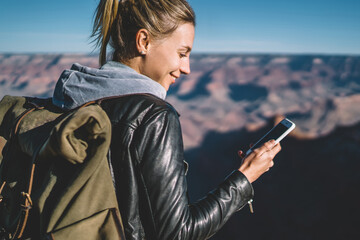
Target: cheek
[(151, 66), (173, 62), (161, 62), (155, 69), (165, 64), (176, 62)]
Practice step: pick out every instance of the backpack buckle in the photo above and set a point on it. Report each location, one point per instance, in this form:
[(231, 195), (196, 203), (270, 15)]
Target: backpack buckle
[(1, 189), (28, 198)]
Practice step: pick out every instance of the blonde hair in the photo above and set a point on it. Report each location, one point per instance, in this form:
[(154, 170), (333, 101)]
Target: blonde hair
[(116, 23)]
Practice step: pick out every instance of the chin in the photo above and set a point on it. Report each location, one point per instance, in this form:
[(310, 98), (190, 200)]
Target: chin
[(166, 86)]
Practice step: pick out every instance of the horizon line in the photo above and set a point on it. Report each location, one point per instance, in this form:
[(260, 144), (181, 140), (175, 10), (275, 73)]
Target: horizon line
[(196, 53)]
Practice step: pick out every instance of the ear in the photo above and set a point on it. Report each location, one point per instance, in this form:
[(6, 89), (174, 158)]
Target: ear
[(142, 41)]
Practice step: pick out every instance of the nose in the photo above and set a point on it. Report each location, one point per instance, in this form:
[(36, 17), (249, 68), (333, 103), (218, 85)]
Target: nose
[(185, 66)]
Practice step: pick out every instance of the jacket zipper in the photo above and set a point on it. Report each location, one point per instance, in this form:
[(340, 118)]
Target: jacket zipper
[(251, 206)]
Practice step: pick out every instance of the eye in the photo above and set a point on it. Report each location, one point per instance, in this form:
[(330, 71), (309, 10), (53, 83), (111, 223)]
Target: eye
[(182, 55)]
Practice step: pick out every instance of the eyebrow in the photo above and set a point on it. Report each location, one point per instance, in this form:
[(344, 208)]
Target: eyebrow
[(188, 49)]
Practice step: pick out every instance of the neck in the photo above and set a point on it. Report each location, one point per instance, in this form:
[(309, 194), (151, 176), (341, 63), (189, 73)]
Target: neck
[(134, 63)]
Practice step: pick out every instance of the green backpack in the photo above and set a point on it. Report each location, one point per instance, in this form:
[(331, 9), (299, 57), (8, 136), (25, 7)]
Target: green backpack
[(55, 180)]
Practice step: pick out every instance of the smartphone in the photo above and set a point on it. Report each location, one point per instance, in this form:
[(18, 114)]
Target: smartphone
[(277, 133)]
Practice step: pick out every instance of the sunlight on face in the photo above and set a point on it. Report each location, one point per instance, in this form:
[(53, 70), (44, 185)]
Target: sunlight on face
[(168, 58)]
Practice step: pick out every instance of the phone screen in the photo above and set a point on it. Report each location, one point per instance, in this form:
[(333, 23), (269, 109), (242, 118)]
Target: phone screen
[(275, 133)]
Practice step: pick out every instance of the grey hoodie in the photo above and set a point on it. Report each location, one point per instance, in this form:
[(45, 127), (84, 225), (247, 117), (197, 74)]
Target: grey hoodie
[(82, 84)]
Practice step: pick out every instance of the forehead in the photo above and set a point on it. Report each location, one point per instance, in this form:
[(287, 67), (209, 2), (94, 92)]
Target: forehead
[(183, 36)]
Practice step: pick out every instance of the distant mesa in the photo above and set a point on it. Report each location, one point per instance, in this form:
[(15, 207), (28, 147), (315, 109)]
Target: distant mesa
[(20, 86), (226, 92), (301, 63), (247, 92), (295, 85), (199, 89)]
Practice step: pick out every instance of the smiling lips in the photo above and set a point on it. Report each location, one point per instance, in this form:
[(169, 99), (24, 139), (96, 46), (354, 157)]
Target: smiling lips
[(174, 78)]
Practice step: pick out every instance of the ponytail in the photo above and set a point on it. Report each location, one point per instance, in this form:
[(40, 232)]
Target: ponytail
[(106, 13)]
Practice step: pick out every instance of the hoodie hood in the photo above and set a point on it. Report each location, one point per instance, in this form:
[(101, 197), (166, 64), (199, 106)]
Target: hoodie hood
[(81, 84)]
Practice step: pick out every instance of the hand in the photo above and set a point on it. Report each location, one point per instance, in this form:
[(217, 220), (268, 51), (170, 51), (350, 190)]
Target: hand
[(259, 161)]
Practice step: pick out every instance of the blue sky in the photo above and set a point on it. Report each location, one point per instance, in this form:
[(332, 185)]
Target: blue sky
[(233, 26)]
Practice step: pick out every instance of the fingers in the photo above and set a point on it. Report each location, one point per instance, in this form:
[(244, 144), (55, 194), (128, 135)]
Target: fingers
[(276, 149), (272, 153), (269, 145), (260, 160), (271, 164), (266, 147), (268, 151)]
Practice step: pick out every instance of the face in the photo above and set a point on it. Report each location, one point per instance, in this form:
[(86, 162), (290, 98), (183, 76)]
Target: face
[(168, 58)]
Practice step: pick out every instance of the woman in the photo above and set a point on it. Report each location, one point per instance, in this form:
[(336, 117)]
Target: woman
[(151, 42)]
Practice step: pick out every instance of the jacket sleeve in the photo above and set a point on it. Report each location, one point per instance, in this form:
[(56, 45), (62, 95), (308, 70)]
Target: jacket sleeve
[(160, 154)]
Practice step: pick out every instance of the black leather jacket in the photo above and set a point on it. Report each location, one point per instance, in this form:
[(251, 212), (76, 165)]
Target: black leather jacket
[(148, 165)]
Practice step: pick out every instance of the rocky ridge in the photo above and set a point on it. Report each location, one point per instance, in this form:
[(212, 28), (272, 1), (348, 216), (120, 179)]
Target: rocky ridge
[(228, 92)]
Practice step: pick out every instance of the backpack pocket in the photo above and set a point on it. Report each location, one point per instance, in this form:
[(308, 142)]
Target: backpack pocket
[(102, 225)]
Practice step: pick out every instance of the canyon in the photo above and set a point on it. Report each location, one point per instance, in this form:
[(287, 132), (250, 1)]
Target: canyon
[(229, 101)]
